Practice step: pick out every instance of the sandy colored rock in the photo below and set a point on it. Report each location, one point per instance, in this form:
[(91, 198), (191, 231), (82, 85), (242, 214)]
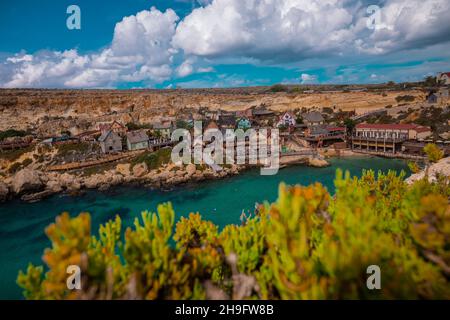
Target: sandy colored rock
[(76, 110), (26, 180), (116, 179), (140, 169), (66, 180), (123, 169), (190, 169), (93, 181), (440, 168), (4, 191), (54, 186), (317, 162)]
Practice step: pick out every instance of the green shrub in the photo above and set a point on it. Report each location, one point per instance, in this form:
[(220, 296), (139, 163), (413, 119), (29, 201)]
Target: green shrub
[(279, 88), (306, 245), (12, 133), (68, 148), (154, 160), (405, 98), (12, 155), (16, 166), (26, 162), (433, 152)]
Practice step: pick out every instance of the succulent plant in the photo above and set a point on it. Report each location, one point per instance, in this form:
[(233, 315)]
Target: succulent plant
[(306, 245)]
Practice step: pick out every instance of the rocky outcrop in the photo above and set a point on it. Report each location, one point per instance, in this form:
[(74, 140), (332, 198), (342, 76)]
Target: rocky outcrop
[(123, 169), (440, 168), (317, 162), (77, 110), (34, 185), (4, 191), (70, 182), (36, 196), (27, 180), (190, 169), (140, 169), (54, 186)]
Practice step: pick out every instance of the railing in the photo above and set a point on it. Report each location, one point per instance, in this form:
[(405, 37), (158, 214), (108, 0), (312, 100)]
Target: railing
[(375, 139), (161, 143), (325, 137)]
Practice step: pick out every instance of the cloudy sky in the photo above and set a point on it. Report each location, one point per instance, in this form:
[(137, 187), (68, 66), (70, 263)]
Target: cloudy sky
[(221, 43)]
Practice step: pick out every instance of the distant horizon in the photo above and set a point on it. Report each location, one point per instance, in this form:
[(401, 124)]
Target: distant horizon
[(288, 85), (206, 44)]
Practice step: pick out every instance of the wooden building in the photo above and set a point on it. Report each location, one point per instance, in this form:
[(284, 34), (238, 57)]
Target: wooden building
[(137, 140), (313, 118), (114, 126), (110, 142), (386, 137)]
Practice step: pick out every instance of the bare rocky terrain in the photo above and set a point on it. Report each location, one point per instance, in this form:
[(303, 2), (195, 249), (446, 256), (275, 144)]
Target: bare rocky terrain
[(51, 111)]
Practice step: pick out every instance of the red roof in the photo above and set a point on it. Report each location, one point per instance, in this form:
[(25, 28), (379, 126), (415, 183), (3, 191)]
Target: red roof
[(212, 125), (446, 73), (422, 129), (399, 126), (336, 128)]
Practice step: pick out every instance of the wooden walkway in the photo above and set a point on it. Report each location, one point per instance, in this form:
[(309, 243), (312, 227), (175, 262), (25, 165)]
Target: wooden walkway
[(396, 155), (85, 164), (368, 114), (14, 145), (304, 152)]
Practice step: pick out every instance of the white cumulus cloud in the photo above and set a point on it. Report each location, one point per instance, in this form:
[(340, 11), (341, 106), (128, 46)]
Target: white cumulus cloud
[(140, 51), (153, 46), (292, 30), (308, 78)]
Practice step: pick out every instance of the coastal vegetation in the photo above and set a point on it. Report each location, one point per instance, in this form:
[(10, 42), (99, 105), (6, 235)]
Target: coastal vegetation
[(12, 155), (12, 133), (405, 98), (70, 148), (153, 160), (433, 152), (308, 244)]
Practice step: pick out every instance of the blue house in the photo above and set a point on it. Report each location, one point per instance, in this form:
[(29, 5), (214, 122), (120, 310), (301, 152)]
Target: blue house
[(244, 124)]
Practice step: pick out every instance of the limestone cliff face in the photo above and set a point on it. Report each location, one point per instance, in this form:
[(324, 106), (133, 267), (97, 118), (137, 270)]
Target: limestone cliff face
[(51, 111)]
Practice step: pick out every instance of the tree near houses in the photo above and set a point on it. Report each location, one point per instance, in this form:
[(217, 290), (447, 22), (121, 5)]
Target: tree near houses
[(430, 81), (414, 167), (434, 154), (350, 124)]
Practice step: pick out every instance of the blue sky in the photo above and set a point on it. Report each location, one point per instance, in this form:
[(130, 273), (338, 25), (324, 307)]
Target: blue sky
[(221, 43)]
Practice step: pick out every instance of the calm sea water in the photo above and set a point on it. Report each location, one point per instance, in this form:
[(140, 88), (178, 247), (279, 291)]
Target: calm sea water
[(22, 237)]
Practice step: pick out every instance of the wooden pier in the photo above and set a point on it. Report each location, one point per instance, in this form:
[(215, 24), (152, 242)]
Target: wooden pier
[(397, 155)]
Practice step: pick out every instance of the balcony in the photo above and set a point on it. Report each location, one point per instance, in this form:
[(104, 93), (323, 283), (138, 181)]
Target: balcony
[(399, 139)]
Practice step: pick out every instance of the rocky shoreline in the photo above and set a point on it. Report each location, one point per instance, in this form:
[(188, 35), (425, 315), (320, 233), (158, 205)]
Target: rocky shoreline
[(434, 171), (34, 185)]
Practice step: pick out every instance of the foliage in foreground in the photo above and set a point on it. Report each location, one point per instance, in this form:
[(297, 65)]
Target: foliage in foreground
[(306, 245)]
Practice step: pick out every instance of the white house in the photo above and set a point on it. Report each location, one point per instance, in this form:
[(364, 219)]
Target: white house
[(443, 77), (287, 120)]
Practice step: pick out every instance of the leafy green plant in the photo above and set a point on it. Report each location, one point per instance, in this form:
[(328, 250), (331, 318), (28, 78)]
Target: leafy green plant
[(154, 160), (306, 245), (12, 133), (433, 152), (278, 88)]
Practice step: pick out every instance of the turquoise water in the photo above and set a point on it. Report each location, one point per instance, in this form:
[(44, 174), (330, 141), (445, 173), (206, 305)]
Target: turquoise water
[(22, 237)]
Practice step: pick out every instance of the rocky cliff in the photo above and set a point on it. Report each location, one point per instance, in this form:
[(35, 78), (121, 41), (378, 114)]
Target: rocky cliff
[(79, 110)]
